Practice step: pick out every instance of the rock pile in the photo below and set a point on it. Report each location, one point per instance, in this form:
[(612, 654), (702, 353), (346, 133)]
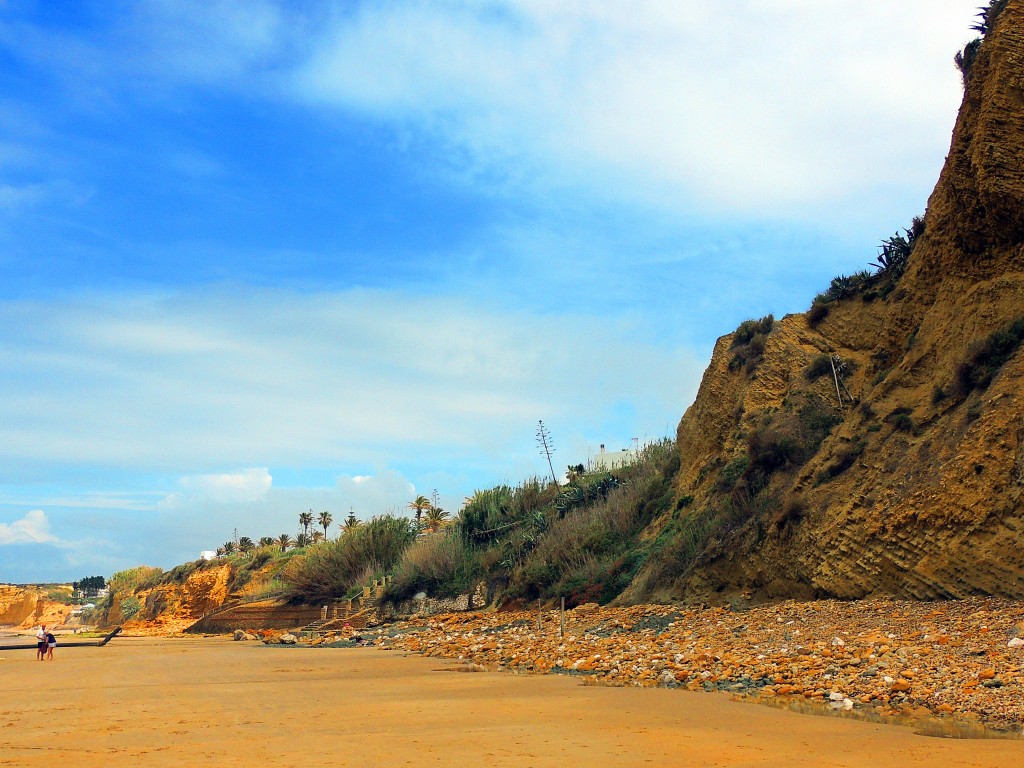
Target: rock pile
[(963, 659)]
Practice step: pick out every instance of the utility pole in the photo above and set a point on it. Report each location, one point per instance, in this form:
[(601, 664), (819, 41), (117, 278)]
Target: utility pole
[(546, 448)]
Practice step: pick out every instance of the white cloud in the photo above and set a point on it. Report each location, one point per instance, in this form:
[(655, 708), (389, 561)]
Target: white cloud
[(197, 519), (34, 528), (346, 380), (755, 107), (248, 485), (751, 107)]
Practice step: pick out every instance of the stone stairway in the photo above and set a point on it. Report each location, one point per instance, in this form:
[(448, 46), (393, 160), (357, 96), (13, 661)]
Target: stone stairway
[(315, 626)]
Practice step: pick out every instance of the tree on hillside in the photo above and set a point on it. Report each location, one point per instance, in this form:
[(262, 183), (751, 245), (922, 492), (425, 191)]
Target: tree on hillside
[(90, 585), (419, 505), (284, 541), (350, 524), (317, 537), (325, 520), (435, 519), (306, 520), (246, 545), (228, 547), (303, 540), (267, 541)]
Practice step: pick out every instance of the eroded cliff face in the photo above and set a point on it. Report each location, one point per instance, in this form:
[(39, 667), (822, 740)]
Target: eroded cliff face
[(172, 606), (22, 608), (917, 489), (16, 604)]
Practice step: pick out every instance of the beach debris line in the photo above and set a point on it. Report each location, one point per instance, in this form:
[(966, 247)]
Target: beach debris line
[(68, 644)]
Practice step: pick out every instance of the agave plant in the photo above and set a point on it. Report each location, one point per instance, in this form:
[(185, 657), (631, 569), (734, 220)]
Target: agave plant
[(893, 254), (987, 16)]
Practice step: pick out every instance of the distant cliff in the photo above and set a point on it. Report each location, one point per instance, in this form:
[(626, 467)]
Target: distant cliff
[(25, 607), (901, 470)]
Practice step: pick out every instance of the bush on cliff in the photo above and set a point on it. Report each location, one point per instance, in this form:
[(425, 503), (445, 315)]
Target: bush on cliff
[(986, 357), (331, 569), (441, 564), (748, 343), (592, 552)]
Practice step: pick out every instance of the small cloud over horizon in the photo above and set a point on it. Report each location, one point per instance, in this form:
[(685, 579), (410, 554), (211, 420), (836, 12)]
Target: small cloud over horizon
[(33, 528)]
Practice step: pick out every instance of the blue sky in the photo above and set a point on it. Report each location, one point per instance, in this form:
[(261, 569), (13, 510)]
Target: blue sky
[(262, 257)]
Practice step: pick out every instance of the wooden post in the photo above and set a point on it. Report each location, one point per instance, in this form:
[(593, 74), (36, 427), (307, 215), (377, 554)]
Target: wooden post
[(835, 377), (561, 629)]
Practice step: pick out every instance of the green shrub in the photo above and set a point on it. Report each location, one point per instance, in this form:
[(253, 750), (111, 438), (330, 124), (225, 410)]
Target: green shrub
[(594, 550), (490, 515), (818, 367), (748, 343), (679, 546), (133, 579), (901, 420), (817, 313), (782, 441), (440, 564), (130, 606), (748, 329), (333, 568), (732, 472), (986, 357)]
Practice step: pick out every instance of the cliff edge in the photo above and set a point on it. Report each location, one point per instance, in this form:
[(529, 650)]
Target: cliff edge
[(875, 445)]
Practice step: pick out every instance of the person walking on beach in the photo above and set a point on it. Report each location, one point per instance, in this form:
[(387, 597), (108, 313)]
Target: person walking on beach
[(41, 645), (51, 643)]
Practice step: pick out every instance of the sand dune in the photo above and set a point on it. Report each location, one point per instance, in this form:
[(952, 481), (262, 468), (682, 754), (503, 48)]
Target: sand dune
[(163, 702)]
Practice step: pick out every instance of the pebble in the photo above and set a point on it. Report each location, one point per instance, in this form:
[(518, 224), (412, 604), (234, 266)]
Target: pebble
[(948, 659)]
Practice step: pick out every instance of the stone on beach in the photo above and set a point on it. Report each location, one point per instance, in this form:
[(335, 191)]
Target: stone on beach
[(872, 653)]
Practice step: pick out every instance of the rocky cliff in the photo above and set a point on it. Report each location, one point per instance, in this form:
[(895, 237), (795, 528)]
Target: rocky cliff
[(23, 607), (874, 445)]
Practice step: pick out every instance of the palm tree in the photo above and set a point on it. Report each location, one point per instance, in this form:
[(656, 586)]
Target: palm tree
[(303, 540), (229, 547), (419, 506), (350, 524), (284, 541), (245, 545), (325, 521), (266, 541), (435, 519), (306, 520), (220, 552), (317, 537)]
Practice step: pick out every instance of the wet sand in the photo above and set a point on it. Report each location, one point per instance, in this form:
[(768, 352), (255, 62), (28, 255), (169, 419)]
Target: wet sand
[(164, 702)]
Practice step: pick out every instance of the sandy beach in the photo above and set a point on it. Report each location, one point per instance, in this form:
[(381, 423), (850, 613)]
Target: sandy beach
[(163, 702)]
